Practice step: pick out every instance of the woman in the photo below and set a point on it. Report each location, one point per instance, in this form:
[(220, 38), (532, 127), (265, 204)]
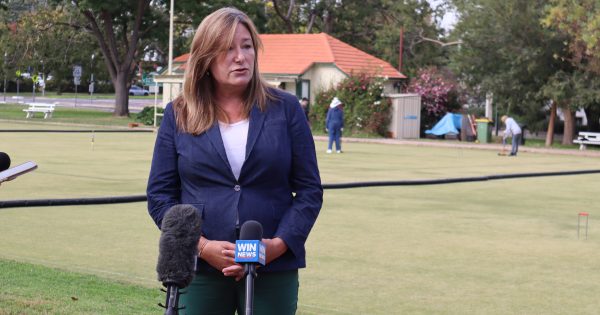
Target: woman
[(334, 124), (238, 151)]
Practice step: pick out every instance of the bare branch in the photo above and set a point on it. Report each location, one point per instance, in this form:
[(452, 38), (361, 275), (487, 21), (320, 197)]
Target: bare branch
[(75, 26), (309, 27), (458, 42), (290, 9), (109, 31), (286, 19), (435, 41), (135, 35), (110, 63)]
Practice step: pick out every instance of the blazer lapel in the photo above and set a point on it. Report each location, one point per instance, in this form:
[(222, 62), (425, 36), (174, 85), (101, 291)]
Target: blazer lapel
[(257, 118), (214, 134)]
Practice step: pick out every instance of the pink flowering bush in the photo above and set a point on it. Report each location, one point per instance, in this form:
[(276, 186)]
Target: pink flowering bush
[(365, 107), (439, 92)]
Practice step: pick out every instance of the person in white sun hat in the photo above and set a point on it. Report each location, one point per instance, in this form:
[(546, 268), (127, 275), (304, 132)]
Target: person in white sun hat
[(334, 124)]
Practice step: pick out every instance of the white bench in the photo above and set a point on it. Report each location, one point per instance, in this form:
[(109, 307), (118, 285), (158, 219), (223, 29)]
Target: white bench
[(45, 108), (586, 138)]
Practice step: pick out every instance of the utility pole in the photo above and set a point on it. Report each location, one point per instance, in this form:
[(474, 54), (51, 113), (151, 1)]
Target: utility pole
[(170, 70), (43, 84), (5, 70), (91, 88), (401, 49)]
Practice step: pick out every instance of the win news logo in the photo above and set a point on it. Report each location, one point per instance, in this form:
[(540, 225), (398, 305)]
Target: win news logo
[(249, 252)]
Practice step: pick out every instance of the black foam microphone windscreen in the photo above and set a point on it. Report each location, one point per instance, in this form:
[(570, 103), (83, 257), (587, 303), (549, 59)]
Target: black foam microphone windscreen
[(251, 230), (4, 161), (178, 245)]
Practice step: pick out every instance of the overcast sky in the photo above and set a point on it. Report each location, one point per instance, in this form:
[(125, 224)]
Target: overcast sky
[(449, 19)]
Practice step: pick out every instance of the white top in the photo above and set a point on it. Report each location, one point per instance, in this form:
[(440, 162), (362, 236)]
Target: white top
[(512, 128), (234, 138)]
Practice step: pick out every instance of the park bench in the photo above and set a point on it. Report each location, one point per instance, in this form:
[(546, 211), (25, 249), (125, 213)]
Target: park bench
[(45, 108), (586, 138)]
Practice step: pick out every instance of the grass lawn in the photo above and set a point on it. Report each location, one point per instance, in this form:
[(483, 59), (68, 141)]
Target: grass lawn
[(63, 115), (498, 247), (35, 289)]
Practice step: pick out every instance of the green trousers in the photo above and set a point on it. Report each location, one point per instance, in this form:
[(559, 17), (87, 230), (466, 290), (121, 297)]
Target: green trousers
[(275, 293)]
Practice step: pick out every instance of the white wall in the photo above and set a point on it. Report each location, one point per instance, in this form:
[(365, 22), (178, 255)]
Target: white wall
[(322, 77)]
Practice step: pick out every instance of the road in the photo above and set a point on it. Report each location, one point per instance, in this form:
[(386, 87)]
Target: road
[(135, 105)]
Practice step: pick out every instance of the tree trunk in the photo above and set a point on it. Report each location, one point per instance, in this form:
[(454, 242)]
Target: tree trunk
[(121, 85), (569, 132), (550, 132)]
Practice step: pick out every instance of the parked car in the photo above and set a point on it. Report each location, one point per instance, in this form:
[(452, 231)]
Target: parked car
[(137, 91)]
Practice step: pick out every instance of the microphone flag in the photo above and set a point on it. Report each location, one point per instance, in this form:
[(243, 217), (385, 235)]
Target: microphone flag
[(250, 251)]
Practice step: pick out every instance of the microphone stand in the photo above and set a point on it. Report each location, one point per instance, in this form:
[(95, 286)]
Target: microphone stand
[(172, 301), (250, 273)]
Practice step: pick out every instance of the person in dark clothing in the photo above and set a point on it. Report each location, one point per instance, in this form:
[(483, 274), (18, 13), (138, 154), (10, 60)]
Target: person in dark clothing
[(304, 105), (334, 124)]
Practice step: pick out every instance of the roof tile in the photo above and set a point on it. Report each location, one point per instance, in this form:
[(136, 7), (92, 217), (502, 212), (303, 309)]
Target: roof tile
[(296, 53)]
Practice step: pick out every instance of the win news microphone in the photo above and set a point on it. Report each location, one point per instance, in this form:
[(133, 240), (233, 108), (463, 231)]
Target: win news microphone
[(177, 252), (250, 251)]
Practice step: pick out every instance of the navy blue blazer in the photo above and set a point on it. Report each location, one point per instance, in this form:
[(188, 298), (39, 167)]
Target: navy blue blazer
[(279, 184)]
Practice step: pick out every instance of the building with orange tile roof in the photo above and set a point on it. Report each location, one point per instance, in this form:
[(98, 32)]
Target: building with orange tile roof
[(302, 64)]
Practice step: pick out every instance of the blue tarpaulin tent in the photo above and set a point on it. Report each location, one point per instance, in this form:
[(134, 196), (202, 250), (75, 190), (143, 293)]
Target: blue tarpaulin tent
[(450, 123)]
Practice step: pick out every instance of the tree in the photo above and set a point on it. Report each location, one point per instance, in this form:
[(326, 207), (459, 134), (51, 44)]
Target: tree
[(126, 30), (373, 26), (365, 107), (38, 41), (579, 21), (506, 50), (438, 91), (118, 27)]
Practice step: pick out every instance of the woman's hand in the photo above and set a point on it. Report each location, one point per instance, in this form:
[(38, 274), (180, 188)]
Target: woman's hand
[(220, 255), (235, 270), (274, 247)]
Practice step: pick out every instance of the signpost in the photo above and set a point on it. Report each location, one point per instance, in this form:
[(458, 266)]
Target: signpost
[(76, 79), (34, 79), (91, 90), (18, 73)]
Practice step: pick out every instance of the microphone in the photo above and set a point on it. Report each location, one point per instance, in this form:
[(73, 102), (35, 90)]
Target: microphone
[(177, 252), (250, 251), (4, 161)]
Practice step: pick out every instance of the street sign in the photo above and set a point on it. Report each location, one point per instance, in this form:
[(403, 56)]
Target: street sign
[(77, 71), (77, 80), (91, 87), (148, 81)]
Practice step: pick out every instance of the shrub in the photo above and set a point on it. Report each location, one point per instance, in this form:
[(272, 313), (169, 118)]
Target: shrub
[(440, 93), (366, 110), (146, 116)]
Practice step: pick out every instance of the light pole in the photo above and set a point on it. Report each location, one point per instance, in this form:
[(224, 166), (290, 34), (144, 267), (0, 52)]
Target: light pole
[(43, 84), (33, 78), (91, 88), (5, 57)]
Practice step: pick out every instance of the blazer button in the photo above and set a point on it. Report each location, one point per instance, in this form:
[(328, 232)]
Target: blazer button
[(237, 188)]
